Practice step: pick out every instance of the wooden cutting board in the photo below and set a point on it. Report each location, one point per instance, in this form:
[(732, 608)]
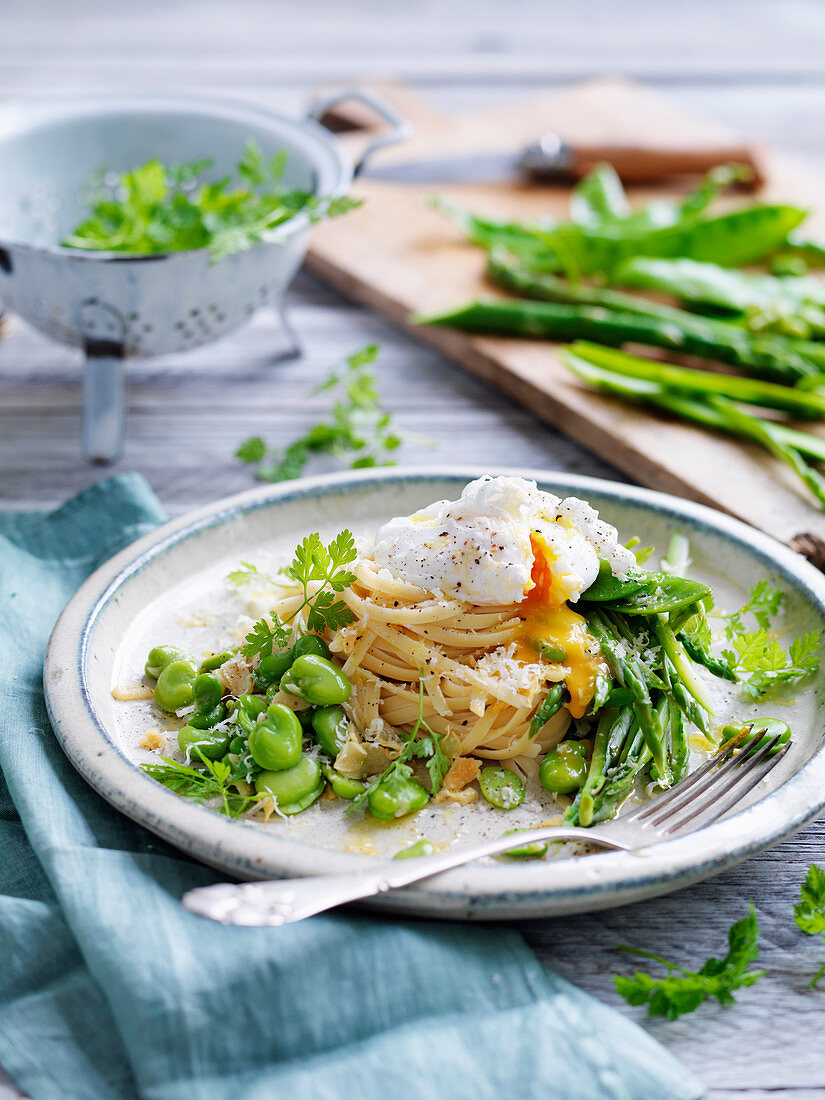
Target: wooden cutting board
[(398, 256)]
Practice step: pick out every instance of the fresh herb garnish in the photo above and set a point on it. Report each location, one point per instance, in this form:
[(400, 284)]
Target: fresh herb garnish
[(422, 748), (315, 563), (263, 636), (249, 574), (684, 990), (809, 912), (764, 604), (757, 658), (202, 786), (359, 428), (170, 208), (761, 663)]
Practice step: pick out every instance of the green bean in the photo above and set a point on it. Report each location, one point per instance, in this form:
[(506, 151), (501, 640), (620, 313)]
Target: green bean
[(710, 416), (317, 680), (396, 795), (564, 768), (174, 688), (159, 658), (502, 787), (276, 740), (294, 788), (343, 785), (614, 727), (331, 727), (421, 847)]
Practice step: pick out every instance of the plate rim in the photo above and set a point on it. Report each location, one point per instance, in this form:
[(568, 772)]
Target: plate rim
[(246, 851)]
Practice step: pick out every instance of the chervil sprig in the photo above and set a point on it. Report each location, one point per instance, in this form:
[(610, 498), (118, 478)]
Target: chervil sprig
[(761, 663), (201, 786), (249, 574), (757, 658), (358, 429), (682, 990), (809, 912), (764, 604)]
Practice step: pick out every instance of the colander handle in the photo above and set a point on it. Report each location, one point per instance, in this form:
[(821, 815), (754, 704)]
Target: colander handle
[(400, 128)]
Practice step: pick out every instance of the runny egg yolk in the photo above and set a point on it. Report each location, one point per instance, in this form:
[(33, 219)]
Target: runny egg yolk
[(548, 620)]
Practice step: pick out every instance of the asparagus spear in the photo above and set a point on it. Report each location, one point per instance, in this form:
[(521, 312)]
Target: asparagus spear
[(788, 444), (775, 357)]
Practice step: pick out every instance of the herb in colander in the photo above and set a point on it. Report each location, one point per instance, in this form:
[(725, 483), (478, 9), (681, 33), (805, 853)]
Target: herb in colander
[(170, 208)]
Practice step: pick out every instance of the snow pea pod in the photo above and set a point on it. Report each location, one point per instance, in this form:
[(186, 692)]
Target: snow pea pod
[(733, 239), (599, 198)]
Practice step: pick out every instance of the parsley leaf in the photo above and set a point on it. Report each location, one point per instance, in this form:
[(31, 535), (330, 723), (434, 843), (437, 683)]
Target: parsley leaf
[(358, 430), (252, 450), (809, 912), (217, 781), (682, 991), (264, 636), (315, 563), (170, 208)]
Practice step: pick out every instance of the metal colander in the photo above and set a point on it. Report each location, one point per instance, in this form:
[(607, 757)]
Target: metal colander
[(114, 305)]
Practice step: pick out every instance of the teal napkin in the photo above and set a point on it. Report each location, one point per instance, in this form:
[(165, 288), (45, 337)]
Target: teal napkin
[(109, 989)]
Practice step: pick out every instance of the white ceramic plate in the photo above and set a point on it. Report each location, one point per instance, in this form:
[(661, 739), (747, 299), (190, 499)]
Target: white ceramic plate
[(169, 588)]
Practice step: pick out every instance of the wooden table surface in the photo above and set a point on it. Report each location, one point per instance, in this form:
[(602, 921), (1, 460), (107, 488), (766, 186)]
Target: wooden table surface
[(755, 64)]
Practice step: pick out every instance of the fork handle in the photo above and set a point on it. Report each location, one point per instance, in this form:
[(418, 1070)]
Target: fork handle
[(284, 901)]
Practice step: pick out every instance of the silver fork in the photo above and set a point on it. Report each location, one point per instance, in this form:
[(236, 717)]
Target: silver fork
[(700, 799)]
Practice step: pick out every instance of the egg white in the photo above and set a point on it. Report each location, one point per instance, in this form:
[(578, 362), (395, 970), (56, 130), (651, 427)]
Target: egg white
[(478, 548)]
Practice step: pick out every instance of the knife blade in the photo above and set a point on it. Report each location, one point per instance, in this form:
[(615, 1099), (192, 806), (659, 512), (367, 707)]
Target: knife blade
[(551, 159)]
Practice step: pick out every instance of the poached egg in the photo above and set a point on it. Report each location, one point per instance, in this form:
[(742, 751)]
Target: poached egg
[(505, 541), (485, 546)]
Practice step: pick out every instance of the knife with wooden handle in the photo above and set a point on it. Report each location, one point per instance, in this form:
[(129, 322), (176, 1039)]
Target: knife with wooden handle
[(550, 158)]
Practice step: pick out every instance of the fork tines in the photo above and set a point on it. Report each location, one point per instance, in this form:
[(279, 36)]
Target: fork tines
[(712, 789)]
